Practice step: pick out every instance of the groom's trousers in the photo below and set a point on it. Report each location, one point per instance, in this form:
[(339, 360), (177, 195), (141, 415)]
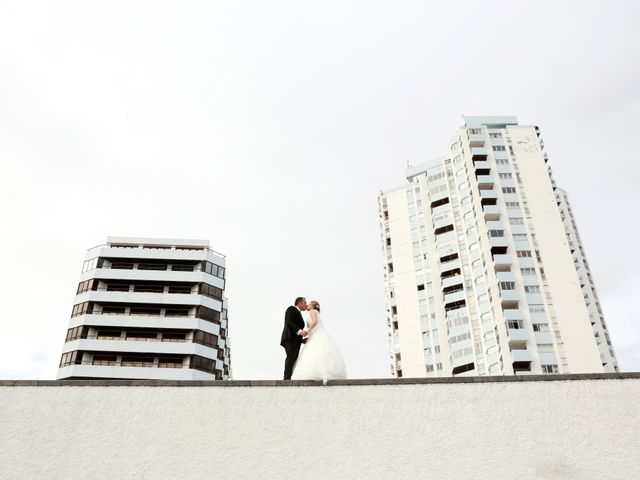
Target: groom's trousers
[(293, 350)]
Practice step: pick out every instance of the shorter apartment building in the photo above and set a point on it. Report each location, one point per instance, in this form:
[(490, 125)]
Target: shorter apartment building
[(149, 308)]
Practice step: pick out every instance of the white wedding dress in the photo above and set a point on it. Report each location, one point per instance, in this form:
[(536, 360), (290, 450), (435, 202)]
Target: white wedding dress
[(320, 358)]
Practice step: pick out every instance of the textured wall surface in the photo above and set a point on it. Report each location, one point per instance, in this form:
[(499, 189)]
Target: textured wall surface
[(577, 429)]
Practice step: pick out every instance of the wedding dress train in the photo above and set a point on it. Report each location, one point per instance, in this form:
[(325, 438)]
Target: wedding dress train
[(320, 358)]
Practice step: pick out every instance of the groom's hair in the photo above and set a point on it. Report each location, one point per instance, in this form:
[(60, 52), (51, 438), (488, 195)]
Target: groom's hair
[(298, 300)]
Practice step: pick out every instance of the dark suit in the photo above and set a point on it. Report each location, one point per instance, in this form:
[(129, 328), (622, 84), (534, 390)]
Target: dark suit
[(290, 340)]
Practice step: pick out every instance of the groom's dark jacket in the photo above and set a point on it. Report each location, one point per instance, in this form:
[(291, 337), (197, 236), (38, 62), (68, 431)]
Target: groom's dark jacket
[(293, 322)]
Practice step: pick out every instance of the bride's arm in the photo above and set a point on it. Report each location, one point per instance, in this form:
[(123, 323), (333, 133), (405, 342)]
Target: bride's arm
[(314, 320)]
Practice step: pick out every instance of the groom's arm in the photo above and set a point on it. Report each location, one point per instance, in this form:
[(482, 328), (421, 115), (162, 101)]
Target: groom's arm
[(290, 321)]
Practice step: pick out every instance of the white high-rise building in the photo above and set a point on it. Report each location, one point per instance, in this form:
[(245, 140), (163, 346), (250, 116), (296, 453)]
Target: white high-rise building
[(485, 273), (149, 308)]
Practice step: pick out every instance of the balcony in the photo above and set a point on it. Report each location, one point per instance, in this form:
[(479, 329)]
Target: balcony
[(485, 182), (482, 165), (488, 197), (479, 153), (453, 297), (521, 356), (443, 222), (450, 265), (502, 262), (517, 336), (476, 140), (498, 242), (509, 296), (506, 277), (491, 212), (513, 314), (451, 281)]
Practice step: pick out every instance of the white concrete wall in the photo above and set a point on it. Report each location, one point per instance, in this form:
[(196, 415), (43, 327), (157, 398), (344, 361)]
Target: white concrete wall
[(578, 429)]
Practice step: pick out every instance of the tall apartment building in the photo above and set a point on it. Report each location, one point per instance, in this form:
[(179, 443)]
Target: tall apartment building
[(149, 308), (484, 269)]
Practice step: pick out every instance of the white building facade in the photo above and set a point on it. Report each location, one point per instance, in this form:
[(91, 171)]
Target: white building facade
[(485, 272), (149, 309)]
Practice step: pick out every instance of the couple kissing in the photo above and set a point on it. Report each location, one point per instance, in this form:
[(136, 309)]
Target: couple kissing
[(320, 358)]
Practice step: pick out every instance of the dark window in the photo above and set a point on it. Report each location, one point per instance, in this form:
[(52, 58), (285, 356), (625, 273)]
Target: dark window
[(437, 203), (463, 368), (137, 361), (208, 314), (179, 288), (82, 308), (170, 362), (107, 360), (173, 337), (76, 333), (112, 309), (71, 358), (206, 339), (420, 287), (202, 363), (210, 291)]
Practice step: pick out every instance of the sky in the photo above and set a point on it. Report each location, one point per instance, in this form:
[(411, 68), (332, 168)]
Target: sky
[(269, 128)]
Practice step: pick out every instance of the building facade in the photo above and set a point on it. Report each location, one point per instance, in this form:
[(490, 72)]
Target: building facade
[(485, 272), (149, 308)]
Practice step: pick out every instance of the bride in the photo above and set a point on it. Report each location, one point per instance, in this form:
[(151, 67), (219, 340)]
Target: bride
[(320, 358)]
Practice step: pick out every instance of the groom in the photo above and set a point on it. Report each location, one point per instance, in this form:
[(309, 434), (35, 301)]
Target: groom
[(293, 334)]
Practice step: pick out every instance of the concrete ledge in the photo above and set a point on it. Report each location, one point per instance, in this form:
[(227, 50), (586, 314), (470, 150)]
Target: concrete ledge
[(314, 383), (525, 427)]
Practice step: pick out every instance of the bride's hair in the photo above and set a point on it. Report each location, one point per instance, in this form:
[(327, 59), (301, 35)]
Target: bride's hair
[(315, 305)]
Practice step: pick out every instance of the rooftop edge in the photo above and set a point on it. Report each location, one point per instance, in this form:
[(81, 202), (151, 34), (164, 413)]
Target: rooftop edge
[(314, 383)]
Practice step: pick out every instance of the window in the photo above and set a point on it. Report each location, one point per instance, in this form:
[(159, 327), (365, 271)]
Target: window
[(87, 285), (210, 291), (499, 148), (508, 189), (170, 362), (76, 333), (502, 161), (515, 324), (206, 339), (516, 221), (436, 176), (104, 360), (520, 237), (420, 287), (540, 327), (438, 366), (213, 269), (505, 175), (82, 308), (202, 363), (496, 233), (550, 368), (545, 347), (536, 308), (390, 267), (460, 338), (532, 289), (462, 353), (89, 264), (495, 135), (436, 349), (528, 271), (512, 204), (208, 314), (507, 285), (429, 367), (523, 253)]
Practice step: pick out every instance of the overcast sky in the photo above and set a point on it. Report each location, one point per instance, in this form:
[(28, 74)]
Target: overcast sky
[(269, 128)]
